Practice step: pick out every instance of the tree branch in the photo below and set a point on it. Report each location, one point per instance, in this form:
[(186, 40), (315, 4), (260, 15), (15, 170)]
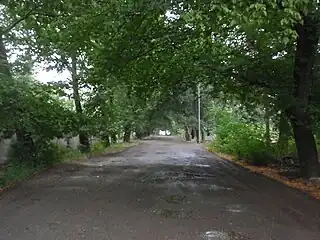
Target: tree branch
[(9, 28)]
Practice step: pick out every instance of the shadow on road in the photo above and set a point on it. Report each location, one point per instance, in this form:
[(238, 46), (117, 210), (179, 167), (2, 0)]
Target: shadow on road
[(161, 189)]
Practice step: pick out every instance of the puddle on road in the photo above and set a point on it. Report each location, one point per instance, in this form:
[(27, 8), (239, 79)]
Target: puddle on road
[(201, 165), (219, 235), (235, 208), (79, 177), (215, 235), (214, 187)]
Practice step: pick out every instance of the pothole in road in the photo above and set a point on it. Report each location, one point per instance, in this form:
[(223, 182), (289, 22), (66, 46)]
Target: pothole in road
[(197, 186), (162, 176), (214, 187), (175, 199), (188, 179), (176, 213), (219, 235), (160, 152), (197, 175)]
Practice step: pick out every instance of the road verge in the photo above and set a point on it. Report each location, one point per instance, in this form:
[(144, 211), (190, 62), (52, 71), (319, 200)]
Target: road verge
[(310, 186), (11, 175)]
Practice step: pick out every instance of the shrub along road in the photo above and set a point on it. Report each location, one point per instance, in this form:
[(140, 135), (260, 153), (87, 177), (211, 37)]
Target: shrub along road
[(161, 189)]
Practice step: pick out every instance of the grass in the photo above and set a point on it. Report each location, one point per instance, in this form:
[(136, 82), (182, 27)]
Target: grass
[(118, 147), (97, 149), (11, 174)]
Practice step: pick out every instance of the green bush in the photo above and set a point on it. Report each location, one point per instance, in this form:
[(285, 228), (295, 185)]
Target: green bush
[(27, 159), (15, 172), (69, 153), (98, 147), (241, 139), (38, 154), (82, 148), (260, 158)]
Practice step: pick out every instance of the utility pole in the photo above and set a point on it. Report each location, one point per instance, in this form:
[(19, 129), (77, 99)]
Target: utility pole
[(199, 115)]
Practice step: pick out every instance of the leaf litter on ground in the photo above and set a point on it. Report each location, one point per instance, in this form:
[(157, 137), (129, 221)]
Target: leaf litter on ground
[(307, 186)]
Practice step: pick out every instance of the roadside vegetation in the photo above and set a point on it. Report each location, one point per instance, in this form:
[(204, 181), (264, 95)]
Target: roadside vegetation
[(134, 68), (14, 171), (252, 136)]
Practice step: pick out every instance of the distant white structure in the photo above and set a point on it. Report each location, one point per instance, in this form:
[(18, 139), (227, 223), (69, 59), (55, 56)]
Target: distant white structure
[(164, 133)]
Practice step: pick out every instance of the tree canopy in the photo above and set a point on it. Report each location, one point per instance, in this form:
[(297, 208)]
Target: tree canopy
[(134, 67)]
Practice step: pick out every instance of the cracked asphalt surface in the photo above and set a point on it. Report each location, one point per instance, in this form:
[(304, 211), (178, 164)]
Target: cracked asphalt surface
[(162, 189)]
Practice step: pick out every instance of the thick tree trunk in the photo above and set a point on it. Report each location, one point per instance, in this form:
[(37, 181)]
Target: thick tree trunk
[(106, 140), (197, 136), (84, 141), (83, 136), (284, 135), (267, 135), (114, 138), (4, 64), (298, 112), (149, 131), (306, 149), (24, 138), (127, 133), (187, 134), (203, 136), (140, 134), (25, 149), (193, 133)]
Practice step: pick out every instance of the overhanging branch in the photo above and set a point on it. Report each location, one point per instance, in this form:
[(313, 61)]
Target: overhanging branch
[(10, 27)]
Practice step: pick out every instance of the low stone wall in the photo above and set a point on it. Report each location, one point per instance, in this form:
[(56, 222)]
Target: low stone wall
[(4, 148), (5, 145), (72, 142)]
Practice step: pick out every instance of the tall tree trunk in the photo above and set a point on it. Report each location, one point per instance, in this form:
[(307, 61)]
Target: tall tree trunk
[(106, 140), (127, 133), (267, 134), (203, 136), (4, 64), (197, 136), (149, 131), (193, 133), (83, 136), (139, 134), (24, 138), (298, 113), (114, 138), (187, 134), (284, 135)]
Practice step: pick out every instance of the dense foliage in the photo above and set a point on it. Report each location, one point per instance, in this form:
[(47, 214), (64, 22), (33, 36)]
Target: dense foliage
[(250, 137), (134, 67)]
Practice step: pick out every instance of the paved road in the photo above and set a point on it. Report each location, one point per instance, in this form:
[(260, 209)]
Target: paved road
[(163, 189)]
